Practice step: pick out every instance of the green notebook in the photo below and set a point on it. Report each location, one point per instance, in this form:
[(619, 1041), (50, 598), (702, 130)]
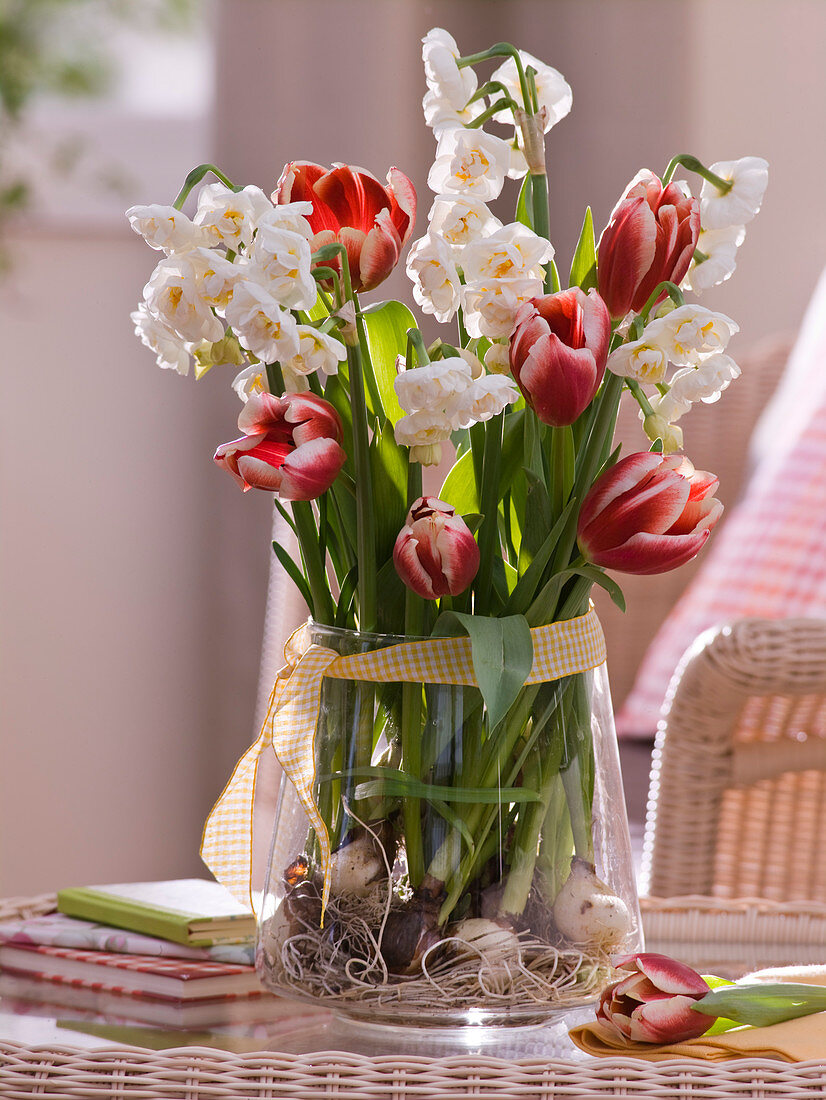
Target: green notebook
[(195, 912)]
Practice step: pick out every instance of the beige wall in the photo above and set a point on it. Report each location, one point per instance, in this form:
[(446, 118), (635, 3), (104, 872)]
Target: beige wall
[(133, 573)]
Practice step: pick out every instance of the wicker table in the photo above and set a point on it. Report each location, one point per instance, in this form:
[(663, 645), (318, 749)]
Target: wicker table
[(527, 1064)]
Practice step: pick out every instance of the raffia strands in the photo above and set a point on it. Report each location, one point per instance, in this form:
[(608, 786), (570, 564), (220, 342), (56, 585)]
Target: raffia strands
[(560, 649)]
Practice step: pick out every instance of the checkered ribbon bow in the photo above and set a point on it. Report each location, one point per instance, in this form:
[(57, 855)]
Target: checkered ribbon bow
[(559, 649)]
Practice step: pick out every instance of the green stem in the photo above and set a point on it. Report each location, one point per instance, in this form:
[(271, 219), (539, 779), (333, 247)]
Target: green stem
[(365, 523), (275, 379), (324, 609), (693, 165), (489, 503), (639, 396), (503, 104), (195, 177), (502, 49), (411, 723), (364, 344)]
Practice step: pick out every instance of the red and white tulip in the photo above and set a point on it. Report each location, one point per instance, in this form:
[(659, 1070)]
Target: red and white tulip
[(650, 238), (435, 552), (350, 206), (653, 1004), (291, 446), (558, 353), (647, 514)]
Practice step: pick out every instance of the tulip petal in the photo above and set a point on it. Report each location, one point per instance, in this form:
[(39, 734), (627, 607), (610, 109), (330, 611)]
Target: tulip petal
[(353, 195), (620, 478), (258, 473), (558, 381), (672, 1020), (311, 469), (653, 506), (625, 253), (379, 255), (645, 555), (670, 975), (402, 203)]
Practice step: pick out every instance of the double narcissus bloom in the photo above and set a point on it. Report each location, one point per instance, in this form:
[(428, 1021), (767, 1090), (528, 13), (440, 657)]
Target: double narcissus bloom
[(353, 208), (435, 552), (650, 238), (653, 1004), (558, 353), (647, 514), (291, 446)]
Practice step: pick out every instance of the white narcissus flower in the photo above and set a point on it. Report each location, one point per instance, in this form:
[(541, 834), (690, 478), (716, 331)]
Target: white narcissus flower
[(704, 383), (512, 252), (261, 325), (252, 379), (498, 358), (445, 80), (173, 353), (490, 305), (483, 399), (317, 351), (553, 91), (690, 333), (640, 359), (166, 229), (436, 283), (423, 432), (176, 293), (280, 260), (228, 216), (749, 177), (216, 275), (720, 249), (432, 386), (440, 115), (460, 219), (289, 215), (469, 162)]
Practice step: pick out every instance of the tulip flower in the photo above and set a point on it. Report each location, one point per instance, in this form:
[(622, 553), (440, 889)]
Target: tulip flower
[(558, 352), (650, 238), (647, 514), (291, 446), (653, 1004), (435, 553), (351, 206)]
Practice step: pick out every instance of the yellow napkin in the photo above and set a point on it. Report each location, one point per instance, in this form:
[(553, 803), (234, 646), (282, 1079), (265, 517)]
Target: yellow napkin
[(800, 1040)]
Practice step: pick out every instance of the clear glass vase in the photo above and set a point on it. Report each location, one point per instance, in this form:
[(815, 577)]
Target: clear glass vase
[(477, 877)]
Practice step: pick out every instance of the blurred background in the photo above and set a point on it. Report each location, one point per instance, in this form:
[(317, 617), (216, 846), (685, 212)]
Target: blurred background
[(133, 575)]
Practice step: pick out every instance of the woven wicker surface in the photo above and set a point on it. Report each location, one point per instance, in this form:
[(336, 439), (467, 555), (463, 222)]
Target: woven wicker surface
[(60, 1072), (737, 805)]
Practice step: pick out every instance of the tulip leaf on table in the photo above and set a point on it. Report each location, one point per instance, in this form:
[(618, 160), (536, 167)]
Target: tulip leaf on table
[(502, 651), (762, 1003)]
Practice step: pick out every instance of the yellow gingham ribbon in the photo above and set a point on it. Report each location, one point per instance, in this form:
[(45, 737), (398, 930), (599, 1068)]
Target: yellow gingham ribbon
[(559, 649)]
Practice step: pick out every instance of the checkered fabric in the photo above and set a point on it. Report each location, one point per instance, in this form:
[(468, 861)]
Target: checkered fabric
[(768, 560), (560, 649)]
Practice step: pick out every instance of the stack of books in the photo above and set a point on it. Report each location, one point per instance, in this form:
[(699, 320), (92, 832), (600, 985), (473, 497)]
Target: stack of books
[(173, 954)]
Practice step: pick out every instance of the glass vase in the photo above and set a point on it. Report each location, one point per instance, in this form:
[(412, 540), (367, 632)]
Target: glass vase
[(477, 876)]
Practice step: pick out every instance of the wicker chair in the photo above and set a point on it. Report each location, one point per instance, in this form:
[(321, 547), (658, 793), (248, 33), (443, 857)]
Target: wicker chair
[(737, 802)]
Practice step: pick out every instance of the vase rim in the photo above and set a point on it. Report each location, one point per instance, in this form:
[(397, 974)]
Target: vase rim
[(369, 635)]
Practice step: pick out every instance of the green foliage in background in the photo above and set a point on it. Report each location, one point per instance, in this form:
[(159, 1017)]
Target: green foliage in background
[(55, 49)]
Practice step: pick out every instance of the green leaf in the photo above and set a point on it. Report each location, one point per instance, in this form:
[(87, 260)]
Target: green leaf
[(502, 650), (528, 584), (392, 783), (459, 487), (584, 265), (346, 596), (523, 203), (593, 573), (295, 575), (389, 467), (386, 324), (762, 1004), (336, 393), (391, 593), (537, 521)]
